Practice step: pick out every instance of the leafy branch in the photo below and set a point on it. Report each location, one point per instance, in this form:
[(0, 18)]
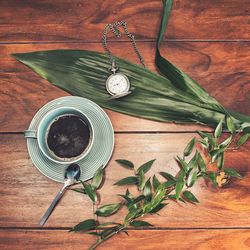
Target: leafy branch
[(202, 157)]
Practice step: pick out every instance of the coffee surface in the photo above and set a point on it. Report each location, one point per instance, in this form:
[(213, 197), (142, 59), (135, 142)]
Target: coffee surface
[(68, 136)]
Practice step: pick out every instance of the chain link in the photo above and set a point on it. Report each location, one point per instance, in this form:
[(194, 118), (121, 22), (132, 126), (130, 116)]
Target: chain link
[(114, 27)]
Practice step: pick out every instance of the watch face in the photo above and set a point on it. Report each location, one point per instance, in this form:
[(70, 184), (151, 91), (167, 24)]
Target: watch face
[(117, 84)]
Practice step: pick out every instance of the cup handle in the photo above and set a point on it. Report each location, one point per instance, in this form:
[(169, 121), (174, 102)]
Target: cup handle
[(30, 134)]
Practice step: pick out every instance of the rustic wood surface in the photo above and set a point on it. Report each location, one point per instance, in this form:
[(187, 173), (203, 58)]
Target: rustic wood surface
[(210, 40), (137, 239)]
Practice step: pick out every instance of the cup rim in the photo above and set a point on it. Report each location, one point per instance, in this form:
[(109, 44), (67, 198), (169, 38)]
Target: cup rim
[(83, 154)]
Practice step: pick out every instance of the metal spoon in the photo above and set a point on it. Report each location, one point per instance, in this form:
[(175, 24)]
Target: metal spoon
[(72, 175)]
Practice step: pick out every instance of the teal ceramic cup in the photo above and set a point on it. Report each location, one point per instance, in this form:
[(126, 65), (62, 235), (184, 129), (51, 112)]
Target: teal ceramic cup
[(41, 134)]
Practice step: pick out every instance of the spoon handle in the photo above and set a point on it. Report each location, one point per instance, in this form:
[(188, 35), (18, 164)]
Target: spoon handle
[(52, 205)]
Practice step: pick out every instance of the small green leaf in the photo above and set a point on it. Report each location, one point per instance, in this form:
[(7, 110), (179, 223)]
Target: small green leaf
[(178, 188), (201, 163), (90, 192), (232, 172), (141, 180), (139, 223), (181, 175), (97, 179), (193, 163), (108, 224), (125, 197), (85, 225), (214, 155), (156, 183), (246, 130), (146, 166), (189, 148), (127, 181), (156, 200), (94, 233), (128, 194), (230, 124), (207, 136), (203, 134), (133, 203), (107, 231), (192, 177), (220, 160), (108, 209), (167, 176), (173, 197), (158, 208), (126, 163), (190, 197), (147, 190), (225, 143), (168, 184), (243, 139), (134, 213), (218, 130), (183, 165), (212, 177), (138, 199), (204, 142)]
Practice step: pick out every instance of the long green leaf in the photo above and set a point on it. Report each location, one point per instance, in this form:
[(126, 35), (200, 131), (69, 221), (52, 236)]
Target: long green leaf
[(83, 73), (171, 97)]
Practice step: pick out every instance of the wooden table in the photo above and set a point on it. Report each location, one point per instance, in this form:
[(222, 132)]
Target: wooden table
[(207, 39)]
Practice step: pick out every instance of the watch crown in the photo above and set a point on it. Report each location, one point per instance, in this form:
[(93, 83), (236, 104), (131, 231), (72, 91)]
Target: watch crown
[(114, 68)]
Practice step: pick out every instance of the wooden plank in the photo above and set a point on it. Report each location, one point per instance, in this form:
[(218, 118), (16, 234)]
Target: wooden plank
[(221, 68), (25, 193), (64, 20), (138, 239)]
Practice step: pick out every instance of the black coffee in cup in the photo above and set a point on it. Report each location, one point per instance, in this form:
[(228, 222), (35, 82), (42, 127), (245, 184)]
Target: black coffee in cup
[(68, 136)]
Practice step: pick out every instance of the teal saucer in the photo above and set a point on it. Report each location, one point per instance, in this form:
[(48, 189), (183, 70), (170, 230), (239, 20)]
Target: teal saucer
[(100, 152)]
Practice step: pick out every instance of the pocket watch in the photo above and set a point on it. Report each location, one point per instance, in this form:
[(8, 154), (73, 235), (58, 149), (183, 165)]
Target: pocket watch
[(118, 84)]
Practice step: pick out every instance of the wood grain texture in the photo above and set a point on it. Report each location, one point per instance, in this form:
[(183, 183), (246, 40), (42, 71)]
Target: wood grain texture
[(221, 68), (77, 20), (25, 193), (208, 39), (137, 240)]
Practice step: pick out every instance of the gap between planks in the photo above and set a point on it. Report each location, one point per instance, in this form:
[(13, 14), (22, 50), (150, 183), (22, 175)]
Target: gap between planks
[(126, 41), (128, 132), (130, 229)]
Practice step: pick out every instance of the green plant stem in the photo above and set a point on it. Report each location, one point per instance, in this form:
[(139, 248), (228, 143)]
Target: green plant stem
[(100, 241), (94, 214)]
